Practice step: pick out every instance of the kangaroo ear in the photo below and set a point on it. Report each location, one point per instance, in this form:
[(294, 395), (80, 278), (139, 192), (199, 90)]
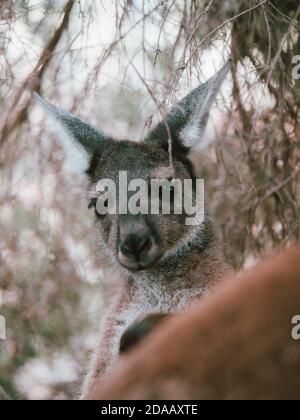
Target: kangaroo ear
[(187, 121), (81, 140)]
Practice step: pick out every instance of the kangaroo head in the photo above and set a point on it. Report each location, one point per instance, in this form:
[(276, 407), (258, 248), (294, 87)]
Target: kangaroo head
[(143, 241)]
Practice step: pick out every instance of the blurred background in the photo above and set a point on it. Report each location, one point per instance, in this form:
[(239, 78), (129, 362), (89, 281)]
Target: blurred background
[(120, 64)]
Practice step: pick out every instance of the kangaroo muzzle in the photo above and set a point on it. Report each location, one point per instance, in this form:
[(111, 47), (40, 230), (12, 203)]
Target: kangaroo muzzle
[(138, 248)]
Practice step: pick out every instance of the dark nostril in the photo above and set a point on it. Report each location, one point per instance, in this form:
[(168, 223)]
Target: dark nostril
[(145, 244), (126, 249), (135, 245)]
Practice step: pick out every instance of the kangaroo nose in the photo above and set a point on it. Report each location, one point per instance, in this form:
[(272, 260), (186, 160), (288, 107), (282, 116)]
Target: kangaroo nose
[(135, 246), (138, 244)]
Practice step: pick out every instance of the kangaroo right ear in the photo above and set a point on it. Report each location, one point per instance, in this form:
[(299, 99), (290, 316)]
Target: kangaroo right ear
[(187, 121), (79, 138)]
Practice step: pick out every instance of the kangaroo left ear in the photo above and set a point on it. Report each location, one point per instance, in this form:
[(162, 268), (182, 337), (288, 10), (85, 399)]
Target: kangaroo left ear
[(80, 139), (187, 121)]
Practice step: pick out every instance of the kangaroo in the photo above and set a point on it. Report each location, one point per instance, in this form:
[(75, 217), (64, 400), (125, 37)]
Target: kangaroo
[(165, 264)]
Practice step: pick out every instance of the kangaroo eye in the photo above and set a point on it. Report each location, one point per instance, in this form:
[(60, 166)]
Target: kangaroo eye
[(99, 215), (93, 204)]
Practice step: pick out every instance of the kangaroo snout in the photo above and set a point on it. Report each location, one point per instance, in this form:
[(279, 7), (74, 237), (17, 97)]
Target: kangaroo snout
[(138, 248), (135, 246)]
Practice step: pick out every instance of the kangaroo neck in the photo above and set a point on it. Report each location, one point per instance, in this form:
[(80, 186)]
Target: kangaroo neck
[(172, 288)]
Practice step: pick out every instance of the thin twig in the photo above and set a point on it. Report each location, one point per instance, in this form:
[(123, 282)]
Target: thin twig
[(216, 29), (33, 80), (285, 37)]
